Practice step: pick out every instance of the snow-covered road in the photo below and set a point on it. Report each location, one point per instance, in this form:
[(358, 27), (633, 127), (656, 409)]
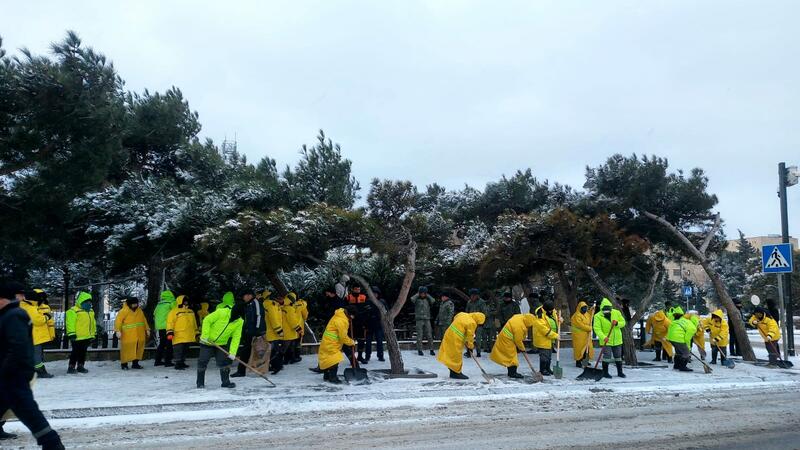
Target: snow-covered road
[(157, 407)]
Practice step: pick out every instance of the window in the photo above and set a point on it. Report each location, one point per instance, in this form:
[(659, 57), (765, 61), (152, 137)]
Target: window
[(676, 272)]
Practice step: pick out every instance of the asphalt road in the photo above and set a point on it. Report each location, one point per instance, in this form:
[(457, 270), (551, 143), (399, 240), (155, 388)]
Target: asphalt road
[(760, 419)]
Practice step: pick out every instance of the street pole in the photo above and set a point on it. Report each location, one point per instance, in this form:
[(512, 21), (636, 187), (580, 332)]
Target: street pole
[(783, 316), (786, 288)]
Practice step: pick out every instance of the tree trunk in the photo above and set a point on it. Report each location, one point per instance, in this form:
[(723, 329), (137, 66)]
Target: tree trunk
[(280, 288), (154, 275), (739, 330), (569, 290), (66, 287)]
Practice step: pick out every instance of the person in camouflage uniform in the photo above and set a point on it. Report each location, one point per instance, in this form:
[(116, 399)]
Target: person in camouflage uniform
[(508, 308), (422, 314), (483, 335), (445, 317)]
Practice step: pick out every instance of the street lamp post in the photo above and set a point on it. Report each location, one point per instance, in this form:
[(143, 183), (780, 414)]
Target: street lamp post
[(787, 177)]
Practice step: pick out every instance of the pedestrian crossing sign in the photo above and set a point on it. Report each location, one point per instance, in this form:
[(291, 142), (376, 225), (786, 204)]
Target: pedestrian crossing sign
[(776, 258)]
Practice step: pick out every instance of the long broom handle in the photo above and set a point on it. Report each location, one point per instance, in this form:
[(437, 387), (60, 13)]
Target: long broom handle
[(479, 364), (528, 360), (236, 358)]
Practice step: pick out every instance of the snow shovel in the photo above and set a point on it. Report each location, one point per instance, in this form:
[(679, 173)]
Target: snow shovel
[(489, 378), (725, 361), (706, 367), (558, 371), (782, 363), (252, 369), (355, 374), (593, 373), (537, 376)]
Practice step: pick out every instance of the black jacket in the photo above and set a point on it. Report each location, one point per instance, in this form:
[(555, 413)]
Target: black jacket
[(254, 321), (16, 343)]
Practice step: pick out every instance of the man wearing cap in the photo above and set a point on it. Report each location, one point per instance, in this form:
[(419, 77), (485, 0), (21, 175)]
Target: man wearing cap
[(17, 368), (81, 330), (422, 315), (445, 315), (508, 308), (255, 327), (483, 338), (132, 330)]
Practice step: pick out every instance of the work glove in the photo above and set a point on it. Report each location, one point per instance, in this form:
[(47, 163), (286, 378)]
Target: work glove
[(118, 334), (170, 336), (298, 330), (49, 317), (613, 323), (231, 356), (605, 342)]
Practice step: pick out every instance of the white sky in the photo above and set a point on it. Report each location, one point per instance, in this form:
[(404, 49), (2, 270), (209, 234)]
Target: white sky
[(462, 92)]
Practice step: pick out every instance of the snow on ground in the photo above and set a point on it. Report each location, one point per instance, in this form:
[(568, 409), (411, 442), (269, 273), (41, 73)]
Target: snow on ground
[(108, 395)]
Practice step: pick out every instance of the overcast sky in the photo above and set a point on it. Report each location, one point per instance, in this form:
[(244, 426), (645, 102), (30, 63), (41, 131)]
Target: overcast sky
[(463, 92)]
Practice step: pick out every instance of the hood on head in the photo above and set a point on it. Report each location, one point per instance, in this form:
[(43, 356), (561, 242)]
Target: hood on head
[(659, 316), (181, 300), (167, 296), (581, 304), (479, 318), (605, 302), (83, 297), (227, 299), (292, 296), (717, 313), (677, 310)]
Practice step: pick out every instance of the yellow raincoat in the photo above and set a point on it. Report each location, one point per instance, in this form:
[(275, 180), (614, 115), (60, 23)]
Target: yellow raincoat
[(302, 313), (657, 326), (203, 312), (543, 334), (290, 320), (51, 323), (581, 327), (767, 327), (334, 337), (274, 318), (41, 331), (699, 337), (182, 323), (133, 327), (510, 340), (459, 334), (719, 330)]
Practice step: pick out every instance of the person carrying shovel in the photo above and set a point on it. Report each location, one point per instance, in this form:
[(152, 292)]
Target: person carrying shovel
[(769, 330), (460, 334), (335, 337), (544, 334), (510, 341), (680, 335), (718, 335), (608, 323), (581, 325)]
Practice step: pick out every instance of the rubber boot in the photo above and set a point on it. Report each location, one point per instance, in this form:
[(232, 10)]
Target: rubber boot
[(41, 372), (241, 371), (123, 366), (669, 359), (619, 370), (457, 375), (82, 369), (605, 370), (419, 352), (683, 367), (477, 353), (136, 365), (579, 364), (433, 353), (71, 369), (201, 379), (512, 372), (333, 375), (225, 376)]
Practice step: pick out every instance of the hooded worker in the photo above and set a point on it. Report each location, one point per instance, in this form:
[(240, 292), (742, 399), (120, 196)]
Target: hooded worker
[(657, 326), (718, 336), (221, 328), (301, 309), (335, 336), (164, 350), (544, 335), (132, 330), (291, 328), (510, 341), (581, 327), (608, 324), (460, 334), (769, 330), (81, 330), (40, 323), (274, 319), (181, 330), (699, 338), (680, 335)]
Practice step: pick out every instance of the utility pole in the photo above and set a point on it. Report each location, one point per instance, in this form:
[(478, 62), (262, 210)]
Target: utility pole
[(786, 178)]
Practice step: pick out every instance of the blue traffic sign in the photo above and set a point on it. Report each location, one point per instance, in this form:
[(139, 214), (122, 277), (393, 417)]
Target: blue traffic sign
[(776, 258), (687, 291)]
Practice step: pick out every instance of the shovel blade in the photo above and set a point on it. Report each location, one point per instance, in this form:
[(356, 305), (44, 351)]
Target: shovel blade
[(355, 375), (590, 373), (729, 364), (558, 372)]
